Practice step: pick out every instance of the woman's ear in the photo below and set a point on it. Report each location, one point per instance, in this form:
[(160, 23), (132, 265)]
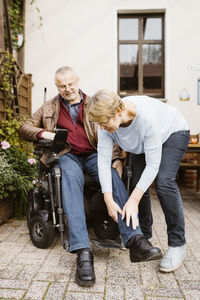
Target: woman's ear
[(119, 111)]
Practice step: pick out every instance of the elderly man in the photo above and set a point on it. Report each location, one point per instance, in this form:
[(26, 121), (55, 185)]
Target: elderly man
[(69, 110)]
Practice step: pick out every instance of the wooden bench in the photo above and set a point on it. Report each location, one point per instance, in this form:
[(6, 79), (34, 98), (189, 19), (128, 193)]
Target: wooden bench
[(192, 166)]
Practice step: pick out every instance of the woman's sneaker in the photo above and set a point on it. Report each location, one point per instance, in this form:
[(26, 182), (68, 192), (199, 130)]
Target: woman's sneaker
[(173, 259)]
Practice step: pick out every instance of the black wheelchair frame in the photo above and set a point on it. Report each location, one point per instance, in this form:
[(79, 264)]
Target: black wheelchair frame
[(44, 210)]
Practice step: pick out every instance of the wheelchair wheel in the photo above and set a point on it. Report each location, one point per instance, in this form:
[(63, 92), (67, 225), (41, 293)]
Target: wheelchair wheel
[(34, 203), (106, 228), (41, 232)]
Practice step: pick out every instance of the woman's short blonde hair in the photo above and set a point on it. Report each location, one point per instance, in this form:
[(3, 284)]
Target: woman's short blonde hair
[(104, 105)]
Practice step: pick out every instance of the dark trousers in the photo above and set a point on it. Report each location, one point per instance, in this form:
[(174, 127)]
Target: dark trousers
[(166, 187)]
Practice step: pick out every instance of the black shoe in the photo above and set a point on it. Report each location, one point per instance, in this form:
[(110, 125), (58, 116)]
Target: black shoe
[(85, 270), (142, 250)]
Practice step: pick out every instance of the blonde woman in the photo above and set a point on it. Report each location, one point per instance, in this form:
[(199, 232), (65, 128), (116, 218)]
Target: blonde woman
[(157, 135)]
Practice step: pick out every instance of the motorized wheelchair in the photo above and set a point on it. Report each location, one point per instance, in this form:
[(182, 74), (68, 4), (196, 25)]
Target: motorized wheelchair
[(44, 209)]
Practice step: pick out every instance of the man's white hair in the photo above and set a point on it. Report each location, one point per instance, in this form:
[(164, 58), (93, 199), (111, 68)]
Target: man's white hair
[(65, 70)]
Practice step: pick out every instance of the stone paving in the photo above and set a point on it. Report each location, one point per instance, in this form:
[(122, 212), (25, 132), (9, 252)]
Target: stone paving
[(30, 273)]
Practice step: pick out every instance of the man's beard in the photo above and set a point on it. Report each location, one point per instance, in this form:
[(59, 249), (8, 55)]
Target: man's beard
[(71, 97)]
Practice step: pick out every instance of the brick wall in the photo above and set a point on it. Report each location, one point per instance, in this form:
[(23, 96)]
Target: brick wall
[(6, 209), (189, 177)]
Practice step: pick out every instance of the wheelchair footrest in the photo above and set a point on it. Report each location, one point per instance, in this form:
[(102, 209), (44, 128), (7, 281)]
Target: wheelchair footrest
[(113, 244)]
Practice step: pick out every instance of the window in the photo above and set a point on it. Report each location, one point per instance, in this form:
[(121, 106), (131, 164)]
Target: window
[(141, 53)]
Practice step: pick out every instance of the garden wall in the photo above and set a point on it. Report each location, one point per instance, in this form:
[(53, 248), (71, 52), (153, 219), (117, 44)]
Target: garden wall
[(6, 209)]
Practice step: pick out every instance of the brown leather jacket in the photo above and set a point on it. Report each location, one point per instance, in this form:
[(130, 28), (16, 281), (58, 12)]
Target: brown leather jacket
[(46, 118)]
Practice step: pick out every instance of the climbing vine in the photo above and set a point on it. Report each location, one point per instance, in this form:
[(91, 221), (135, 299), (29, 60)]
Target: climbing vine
[(6, 77), (15, 12), (38, 11), (15, 8)]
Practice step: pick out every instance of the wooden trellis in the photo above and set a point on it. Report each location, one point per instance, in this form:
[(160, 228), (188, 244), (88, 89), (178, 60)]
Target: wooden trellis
[(24, 87)]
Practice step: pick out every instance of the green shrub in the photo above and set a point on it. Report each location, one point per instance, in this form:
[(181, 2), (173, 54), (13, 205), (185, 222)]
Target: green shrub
[(16, 175), (17, 164), (9, 131)]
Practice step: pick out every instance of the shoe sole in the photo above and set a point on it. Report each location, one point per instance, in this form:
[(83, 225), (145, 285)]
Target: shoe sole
[(172, 269), (156, 256), (84, 283)]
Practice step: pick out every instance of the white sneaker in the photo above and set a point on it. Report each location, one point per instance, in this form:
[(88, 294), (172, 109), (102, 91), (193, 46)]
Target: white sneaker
[(173, 259)]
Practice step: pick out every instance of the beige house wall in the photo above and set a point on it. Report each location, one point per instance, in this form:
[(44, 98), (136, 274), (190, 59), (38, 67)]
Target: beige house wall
[(83, 34)]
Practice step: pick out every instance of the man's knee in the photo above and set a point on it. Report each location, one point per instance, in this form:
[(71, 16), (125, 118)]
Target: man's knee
[(71, 168), (115, 176), (114, 172), (72, 176)]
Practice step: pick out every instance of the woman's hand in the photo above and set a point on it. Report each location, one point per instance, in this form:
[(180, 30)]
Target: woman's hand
[(112, 207), (130, 209)]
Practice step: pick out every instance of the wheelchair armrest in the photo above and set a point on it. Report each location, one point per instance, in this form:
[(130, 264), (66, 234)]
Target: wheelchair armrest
[(52, 159), (43, 143), (42, 146), (57, 144), (52, 146)]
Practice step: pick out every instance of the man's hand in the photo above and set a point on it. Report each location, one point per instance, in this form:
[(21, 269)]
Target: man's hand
[(48, 135), (118, 166), (112, 207)]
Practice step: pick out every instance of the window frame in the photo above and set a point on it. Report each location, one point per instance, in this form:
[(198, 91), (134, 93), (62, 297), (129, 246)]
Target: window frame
[(141, 14)]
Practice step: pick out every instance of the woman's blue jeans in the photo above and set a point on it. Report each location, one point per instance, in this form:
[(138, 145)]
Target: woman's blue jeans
[(166, 187), (73, 167)]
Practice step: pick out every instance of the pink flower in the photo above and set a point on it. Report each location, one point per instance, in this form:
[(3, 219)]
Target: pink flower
[(5, 145), (32, 161)]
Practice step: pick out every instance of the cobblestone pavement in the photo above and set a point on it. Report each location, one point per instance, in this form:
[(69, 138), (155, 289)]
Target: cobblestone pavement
[(30, 273)]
